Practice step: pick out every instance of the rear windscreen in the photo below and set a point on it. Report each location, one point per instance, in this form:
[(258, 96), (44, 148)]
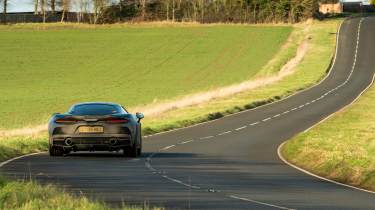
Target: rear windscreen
[(95, 109)]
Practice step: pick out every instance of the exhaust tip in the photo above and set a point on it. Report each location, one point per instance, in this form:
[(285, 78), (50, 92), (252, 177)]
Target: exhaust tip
[(113, 142), (68, 142)]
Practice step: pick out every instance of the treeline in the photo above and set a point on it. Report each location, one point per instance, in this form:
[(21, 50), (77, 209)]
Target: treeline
[(86, 10), (210, 11), (203, 11)]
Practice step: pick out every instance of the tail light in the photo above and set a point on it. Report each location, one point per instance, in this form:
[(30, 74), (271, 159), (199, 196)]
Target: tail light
[(66, 120), (116, 120)]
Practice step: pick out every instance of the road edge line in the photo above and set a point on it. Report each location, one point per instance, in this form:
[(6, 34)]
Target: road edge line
[(321, 122), (19, 157)]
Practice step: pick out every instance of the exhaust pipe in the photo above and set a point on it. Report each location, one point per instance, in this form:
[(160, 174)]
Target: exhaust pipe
[(68, 142), (113, 142)]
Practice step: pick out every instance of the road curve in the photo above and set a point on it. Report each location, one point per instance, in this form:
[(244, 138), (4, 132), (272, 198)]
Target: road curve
[(230, 163)]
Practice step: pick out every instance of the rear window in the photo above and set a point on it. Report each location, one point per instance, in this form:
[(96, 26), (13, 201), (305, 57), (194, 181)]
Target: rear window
[(96, 109)]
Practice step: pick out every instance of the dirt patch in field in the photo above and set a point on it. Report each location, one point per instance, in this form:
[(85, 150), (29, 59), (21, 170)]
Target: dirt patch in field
[(287, 69), (156, 109)]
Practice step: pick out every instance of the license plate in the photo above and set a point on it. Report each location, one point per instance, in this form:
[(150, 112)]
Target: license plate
[(91, 129)]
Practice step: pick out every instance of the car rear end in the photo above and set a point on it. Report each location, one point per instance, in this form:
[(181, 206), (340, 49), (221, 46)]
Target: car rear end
[(109, 132)]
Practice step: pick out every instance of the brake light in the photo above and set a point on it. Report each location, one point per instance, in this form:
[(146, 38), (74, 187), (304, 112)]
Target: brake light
[(116, 120), (66, 120)]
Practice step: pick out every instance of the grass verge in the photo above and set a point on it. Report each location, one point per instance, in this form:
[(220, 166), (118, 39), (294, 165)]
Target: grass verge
[(30, 195), (342, 148)]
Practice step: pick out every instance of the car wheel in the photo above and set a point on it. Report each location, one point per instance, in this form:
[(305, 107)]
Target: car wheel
[(54, 151), (139, 149), (131, 151)]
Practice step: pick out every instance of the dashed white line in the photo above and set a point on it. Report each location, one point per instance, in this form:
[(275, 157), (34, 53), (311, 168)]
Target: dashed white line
[(186, 142), (277, 115), (286, 112), (243, 127), (258, 202), (168, 147), (207, 137), (180, 182), (255, 123), (265, 120), (226, 132)]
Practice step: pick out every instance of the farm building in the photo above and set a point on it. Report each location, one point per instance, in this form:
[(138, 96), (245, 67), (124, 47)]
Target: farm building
[(346, 6), (331, 8)]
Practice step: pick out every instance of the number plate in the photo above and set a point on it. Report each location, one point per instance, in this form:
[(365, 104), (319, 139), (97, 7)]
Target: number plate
[(91, 129)]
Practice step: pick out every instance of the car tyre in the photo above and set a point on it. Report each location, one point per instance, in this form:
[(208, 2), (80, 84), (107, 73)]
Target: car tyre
[(131, 151), (54, 151)]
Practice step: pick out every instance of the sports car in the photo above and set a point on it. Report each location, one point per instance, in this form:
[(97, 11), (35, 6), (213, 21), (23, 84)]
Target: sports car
[(95, 126)]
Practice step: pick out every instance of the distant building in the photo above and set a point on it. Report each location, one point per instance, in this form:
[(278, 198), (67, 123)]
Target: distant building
[(331, 8)]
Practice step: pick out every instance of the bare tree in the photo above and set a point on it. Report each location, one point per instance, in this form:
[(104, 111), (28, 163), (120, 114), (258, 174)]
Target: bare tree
[(53, 6), (43, 9), (83, 6), (5, 8), (99, 6), (65, 6), (36, 7), (143, 11)]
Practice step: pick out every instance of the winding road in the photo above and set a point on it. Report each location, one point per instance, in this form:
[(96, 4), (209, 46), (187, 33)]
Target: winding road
[(229, 163)]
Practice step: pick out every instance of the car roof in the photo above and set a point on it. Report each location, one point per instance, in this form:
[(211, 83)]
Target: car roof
[(97, 103)]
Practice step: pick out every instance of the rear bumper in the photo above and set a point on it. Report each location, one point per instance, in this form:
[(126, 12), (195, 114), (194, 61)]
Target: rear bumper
[(111, 142)]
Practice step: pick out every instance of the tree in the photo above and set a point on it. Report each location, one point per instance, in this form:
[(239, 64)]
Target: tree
[(53, 5), (5, 8), (65, 6), (43, 9), (372, 2), (36, 7)]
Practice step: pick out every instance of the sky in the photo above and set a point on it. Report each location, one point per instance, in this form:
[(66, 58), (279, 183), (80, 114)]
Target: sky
[(28, 5), (22, 5)]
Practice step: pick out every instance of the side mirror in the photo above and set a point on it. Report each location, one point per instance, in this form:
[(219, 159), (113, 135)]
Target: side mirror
[(139, 116)]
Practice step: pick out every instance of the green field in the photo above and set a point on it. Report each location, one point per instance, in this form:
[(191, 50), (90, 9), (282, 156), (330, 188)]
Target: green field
[(347, 156), (44, 71)]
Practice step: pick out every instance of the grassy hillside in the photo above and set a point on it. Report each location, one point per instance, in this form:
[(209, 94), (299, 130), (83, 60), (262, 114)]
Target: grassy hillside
[(342, 148), (45, 70)]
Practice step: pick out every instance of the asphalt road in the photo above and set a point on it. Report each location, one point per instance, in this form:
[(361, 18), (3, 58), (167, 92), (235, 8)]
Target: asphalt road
[(230, 163)]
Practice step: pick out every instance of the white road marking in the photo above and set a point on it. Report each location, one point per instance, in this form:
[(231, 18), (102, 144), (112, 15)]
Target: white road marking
[(286, 112), (275, 116), (255, 123), (207, 137), (243, 127), (186, 142), (180, 182), (258, 202), (265, 120), (226, 132), (168, 147)]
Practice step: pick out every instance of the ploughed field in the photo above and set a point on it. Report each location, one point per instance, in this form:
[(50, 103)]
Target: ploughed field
[(46, 69)]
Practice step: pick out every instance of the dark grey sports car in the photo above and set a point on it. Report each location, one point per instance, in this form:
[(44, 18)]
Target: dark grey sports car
[(95, 127)]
